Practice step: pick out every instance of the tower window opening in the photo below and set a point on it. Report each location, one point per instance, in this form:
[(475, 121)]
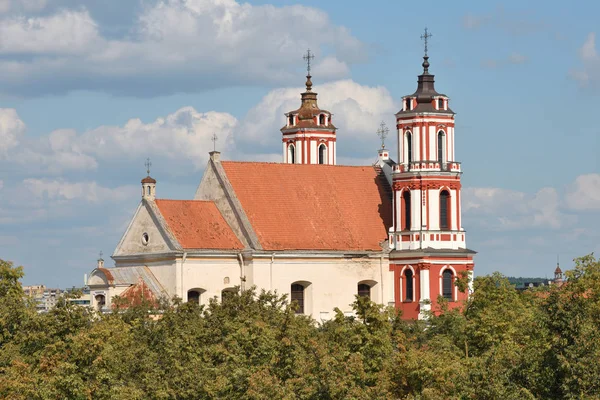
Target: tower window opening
[(440, 104), (447, 282), (408, 279), (408, 104), (408, 147), (322, 154), (298, 297), (441, 147), (292, 154), (444, 210), (291, 120), (407, 210), (364, 290), (321, 119)]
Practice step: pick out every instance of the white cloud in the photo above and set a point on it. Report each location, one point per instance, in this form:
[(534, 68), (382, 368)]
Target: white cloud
[(11, 130), (67, 32), (172, 46), (21, 5), (589, 73), (357, 110), (505, 209), (86, 191), (584, 194), (183, 135)]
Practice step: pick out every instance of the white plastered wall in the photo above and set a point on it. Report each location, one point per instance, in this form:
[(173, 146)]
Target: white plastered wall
[(333, 281)]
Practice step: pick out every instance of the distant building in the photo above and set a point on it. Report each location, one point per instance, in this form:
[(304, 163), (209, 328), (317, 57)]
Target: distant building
[(84, 300), (45, 298)]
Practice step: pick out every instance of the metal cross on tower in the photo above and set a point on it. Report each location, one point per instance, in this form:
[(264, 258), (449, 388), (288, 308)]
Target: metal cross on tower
[(308, 57), (214, 139), (382, 132), (148, 164), (425, 37), (100, 254)]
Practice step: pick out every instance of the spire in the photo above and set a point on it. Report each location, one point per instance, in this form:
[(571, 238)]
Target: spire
[(425, 37), (308, 57), (309, 98)]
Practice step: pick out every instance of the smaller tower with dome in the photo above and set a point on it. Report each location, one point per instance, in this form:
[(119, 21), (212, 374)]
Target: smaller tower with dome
[(148, 184), (309, 135)]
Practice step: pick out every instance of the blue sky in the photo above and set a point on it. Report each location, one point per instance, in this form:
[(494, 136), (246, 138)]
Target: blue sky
[(88, 90)]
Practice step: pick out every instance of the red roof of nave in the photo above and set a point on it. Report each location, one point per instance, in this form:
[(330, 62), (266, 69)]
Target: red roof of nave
[(313, 207), (198, 224)]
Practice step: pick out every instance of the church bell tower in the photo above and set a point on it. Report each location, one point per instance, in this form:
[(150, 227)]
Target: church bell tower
[(309, 134), (428, 241)]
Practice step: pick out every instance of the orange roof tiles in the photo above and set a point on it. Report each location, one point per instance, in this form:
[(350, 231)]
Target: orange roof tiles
[(313, 207), (137, 294), (198, 224)]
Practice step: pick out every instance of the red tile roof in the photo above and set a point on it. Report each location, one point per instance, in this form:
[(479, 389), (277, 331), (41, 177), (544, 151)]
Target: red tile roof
[(137, 294), (198, 224), (313, 207)]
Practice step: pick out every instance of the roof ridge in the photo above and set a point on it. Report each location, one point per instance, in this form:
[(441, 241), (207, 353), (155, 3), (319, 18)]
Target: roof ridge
[(292, 165), (191, 200)]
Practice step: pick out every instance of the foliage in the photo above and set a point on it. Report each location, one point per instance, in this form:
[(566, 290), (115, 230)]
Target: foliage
[(501, 344)]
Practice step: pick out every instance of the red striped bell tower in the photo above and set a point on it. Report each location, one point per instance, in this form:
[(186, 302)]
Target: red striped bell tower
[(309, 134), (428, 240)]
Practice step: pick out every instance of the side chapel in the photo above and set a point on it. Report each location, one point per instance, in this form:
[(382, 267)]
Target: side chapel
[(320, 232)]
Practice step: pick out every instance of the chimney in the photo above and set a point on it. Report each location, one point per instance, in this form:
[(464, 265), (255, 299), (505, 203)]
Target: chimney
[(384, 154), (215, 156)]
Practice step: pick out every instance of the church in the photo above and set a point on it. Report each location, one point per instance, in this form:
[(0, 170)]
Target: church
[(307, 227)]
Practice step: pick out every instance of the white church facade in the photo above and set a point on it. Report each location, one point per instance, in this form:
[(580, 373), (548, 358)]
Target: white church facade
[(319, 232)]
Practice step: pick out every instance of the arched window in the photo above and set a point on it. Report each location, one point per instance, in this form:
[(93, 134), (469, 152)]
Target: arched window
[(441, 147), (100, 301), (408, 279), (291, 120), (408, 104), (148, 190), (447, 283), (193, 296), (407, 211), (292, 154), (440, 104), (364, 290), (444, 209), (322, 119), (408, 147), (298, 297), (322, 154), (227, 294)]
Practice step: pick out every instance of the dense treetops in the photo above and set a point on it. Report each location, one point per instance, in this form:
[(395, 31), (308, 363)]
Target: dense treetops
[(503, 344)]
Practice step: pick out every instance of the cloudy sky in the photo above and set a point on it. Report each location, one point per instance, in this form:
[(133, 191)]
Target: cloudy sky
[(89, 89)]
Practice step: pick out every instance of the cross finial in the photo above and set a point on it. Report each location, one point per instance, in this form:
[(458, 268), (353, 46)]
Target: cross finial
[(308, 57), (148, 164), (425, 37), (382, 132), (214, 139), (100, 254)]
